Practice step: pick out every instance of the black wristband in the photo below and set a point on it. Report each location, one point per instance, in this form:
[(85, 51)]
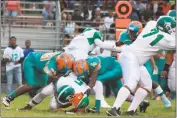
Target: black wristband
[(166, 67)]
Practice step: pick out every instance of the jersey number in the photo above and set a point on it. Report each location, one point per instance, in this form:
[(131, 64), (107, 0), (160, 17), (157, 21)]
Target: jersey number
[(46, 56), (157, 39), (78, 82), (14, 57)]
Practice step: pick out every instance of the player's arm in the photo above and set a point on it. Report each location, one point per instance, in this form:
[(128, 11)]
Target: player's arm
[(118, 43), (106, 46), (92, 80), (167, 42), (169, 61), (153, 63), (51, 68)]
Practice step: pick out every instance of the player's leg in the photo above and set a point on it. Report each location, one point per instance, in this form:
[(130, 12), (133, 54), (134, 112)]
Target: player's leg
[(97, 89), (171, 80), (29, 77), (115, 86), (109, 75), (131, 75), (158, 90), (46, 91), (145, 87)]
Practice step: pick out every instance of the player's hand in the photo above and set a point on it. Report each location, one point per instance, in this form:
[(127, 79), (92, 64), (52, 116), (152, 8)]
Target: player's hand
[(16, 62), (87, 92), (164, 74)]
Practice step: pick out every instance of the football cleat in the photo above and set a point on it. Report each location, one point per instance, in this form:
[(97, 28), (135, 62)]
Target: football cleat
[(143, 106), (113, 112), (6, 101), (166, 102)]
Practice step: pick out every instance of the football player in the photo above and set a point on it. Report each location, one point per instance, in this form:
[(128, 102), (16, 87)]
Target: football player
[(128, 37), (101, 70), (36, 73), (67, 91), (82, 44), (156, 36)]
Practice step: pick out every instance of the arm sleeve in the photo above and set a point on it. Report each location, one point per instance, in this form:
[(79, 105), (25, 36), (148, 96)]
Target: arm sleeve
[(167, 43), (106, 46)]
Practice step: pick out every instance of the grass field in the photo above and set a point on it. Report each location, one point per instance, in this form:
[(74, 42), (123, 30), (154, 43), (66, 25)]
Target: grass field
[(156, 109)]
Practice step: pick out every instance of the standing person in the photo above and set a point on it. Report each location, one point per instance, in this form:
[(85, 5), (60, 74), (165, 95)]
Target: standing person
[(109, 20), (13, 56), (13, 8), (47, 11), (27, 49), (26, 52), (157, 35)]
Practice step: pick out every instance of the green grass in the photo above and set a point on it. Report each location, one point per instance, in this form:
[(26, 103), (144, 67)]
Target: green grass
[(156, 109)]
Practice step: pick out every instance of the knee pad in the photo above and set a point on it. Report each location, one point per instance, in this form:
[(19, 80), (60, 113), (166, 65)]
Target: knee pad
[(147, 86), (131, 86)]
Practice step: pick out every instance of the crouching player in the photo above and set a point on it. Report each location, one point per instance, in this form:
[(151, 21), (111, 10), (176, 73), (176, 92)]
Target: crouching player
[(34, 74), (99, 70), (128, 37)]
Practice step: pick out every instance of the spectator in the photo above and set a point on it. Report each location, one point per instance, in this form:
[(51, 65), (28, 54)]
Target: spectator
[(134, 15), (13, 8), (166, 7), (173, 7), (97, 21), (139, 6), (158, 13), (70, 26), (108, 4), (13, 56), (77, 18), (28, 49), (147, 14), (96, 13), (47, 11), (87, 12), (109, 20)]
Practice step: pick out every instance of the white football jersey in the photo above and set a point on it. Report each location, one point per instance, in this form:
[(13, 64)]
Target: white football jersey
[(85, 41), (150, 42), (15, 55), (71, 80)]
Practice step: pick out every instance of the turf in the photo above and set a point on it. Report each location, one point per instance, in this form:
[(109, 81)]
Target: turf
[(42, 110)]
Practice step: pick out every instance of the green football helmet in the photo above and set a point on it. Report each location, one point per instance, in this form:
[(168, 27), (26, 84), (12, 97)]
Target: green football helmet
[(84, 102), (172, 13), (166, 24), (64, 93)]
